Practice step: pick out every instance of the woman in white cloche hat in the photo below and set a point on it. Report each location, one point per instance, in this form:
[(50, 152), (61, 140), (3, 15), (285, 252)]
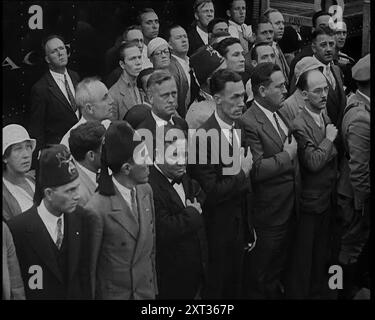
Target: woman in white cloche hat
[(18, 184)]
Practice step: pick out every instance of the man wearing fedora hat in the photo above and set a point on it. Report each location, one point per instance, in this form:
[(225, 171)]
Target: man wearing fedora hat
[(121, 221), (49, 236)]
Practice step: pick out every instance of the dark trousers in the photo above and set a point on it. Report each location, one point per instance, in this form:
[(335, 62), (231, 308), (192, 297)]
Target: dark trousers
[(225, 262), (308, 272), (265, 265)]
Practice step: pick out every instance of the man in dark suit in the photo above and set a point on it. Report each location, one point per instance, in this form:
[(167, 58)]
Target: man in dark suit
[(181, 256), (318, 163), (187, 83), (162, 93), (53, 109), (50, 237), (275, 181), (225, 180), (204, 12)]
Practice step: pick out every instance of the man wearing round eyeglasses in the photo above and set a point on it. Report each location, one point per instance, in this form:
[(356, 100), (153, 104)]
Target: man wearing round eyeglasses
[(53, 108), (317, 153), (159, 53)]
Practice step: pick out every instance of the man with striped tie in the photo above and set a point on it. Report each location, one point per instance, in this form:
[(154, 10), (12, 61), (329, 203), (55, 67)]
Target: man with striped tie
[(53, 110), (49, 236)]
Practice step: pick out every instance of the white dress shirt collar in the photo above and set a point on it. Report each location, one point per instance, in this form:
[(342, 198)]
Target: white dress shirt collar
[(269, 114), (202, 34), (59, 76), (317, 117), (124, 191), (50, 220), (159, 121), (222, 124)]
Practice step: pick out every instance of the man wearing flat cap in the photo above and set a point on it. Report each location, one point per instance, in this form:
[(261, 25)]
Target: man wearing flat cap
[(49, 236), (354, 184), (120, 221)]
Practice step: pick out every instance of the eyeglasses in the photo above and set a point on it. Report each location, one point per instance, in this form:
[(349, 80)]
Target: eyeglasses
[(319, 91), (160, 52)]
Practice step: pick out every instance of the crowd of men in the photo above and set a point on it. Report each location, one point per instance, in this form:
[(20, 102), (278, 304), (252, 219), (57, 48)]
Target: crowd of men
[(94, 219)]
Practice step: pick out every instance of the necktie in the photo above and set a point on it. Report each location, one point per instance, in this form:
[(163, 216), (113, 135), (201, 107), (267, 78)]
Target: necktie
[(231, 134), (59, 239), (330, 77), (194, 87), (177, 180), (281, 131), (70, 94), (134, 204)]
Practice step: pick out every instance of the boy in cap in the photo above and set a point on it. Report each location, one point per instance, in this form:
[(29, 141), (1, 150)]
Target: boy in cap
[(121, 221), (49, 236)]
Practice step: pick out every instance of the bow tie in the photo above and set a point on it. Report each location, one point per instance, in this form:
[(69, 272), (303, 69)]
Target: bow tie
[(177, 180)]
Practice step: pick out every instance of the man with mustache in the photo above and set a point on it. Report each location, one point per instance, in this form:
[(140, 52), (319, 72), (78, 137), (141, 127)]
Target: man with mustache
[(317, 155), (275, 180), (49, 237), (125, 92)]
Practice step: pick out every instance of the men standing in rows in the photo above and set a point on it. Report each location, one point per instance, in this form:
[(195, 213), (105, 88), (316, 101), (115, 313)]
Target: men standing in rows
[(354, 185), (49, 237), (149, 22), (181, 255), (159, 53), (277, 21), (236, 13), (187, 84), (323, 46), (292, 106), (204, 12), (121, 221), (53, 109), (85, 144), (275, 179), (124, 92), (317, 156), (94, 103), (227, 186)]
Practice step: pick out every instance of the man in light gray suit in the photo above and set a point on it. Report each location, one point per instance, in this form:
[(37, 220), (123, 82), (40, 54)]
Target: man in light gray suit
[(121, 221), (85, 144)]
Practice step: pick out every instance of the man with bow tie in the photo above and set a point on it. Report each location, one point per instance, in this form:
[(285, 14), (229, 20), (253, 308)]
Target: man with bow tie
[(181, 256), (49, 237)]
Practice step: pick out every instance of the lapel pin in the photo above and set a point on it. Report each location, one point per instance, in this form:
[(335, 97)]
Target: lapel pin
[(77, 233)]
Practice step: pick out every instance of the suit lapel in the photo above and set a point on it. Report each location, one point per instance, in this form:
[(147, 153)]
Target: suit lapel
[(123, 215), (55, 90), (317, 133), (267, 126), (40, 240)]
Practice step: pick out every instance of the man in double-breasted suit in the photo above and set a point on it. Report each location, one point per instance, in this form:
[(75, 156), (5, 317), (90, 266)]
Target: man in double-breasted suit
[(275, 176), (315, 135), (226, 183), (50, 237), (53, 110), (181, 256), (121, 222)]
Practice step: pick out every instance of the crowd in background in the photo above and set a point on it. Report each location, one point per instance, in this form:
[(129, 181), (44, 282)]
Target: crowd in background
[(81, 202)]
